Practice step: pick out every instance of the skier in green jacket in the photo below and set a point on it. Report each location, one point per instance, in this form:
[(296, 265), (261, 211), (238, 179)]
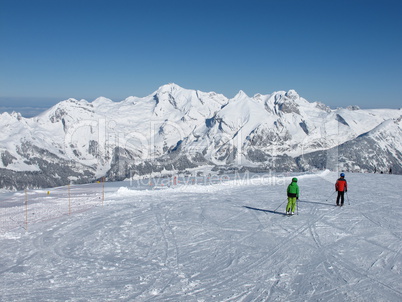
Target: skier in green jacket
[(293, 195)]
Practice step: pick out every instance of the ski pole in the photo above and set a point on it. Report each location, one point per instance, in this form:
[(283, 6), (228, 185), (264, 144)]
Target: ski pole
[(347, 195), (330, 196), (297, 206), (280, 205)]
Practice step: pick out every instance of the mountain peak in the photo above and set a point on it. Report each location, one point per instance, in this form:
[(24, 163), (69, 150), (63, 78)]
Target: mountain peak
[(292, 94), (169, 87), (10, 116), (102, 100), (72, 102), (240, 95)]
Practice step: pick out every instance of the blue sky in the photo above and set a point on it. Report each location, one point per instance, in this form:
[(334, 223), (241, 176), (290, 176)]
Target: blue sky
[(337, 52)]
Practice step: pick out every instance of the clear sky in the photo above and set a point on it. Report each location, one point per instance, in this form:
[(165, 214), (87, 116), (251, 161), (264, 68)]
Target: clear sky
[(337, 52)]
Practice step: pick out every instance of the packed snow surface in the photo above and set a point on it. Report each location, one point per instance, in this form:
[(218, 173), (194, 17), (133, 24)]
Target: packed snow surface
[(204, 239)]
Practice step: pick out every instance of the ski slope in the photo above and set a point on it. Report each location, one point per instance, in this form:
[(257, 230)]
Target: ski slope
[(202, 239)]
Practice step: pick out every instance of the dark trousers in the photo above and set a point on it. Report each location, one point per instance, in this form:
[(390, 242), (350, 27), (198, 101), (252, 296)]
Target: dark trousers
[(341, 196)]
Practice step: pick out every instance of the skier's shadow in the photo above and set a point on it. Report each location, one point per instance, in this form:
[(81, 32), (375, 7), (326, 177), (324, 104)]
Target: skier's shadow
[(265, 211)]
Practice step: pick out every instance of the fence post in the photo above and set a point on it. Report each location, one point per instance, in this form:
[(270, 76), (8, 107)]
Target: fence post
[(26, 210), (69, 200), (103, 190)]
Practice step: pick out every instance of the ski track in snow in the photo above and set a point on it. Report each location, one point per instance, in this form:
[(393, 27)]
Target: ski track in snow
[(208, 243)]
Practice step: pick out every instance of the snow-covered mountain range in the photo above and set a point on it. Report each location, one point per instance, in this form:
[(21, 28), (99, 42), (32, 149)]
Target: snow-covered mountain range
[(175, 130)]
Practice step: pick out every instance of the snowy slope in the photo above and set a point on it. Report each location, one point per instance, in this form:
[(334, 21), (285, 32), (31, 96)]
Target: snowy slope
[(382, 150), (177, 129), (212, 240)]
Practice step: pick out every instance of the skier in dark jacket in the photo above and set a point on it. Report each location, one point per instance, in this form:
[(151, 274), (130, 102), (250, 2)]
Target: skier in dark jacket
[(341, 186), (293, 195)]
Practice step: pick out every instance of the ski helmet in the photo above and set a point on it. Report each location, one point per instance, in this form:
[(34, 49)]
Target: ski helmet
[(342, 174), (294, 179)]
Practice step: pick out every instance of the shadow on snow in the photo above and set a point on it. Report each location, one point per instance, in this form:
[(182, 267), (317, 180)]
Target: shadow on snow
[(266, 211), (282, 213)]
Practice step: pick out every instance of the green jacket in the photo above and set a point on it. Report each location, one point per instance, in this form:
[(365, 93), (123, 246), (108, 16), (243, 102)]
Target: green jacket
[(293, 190)]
